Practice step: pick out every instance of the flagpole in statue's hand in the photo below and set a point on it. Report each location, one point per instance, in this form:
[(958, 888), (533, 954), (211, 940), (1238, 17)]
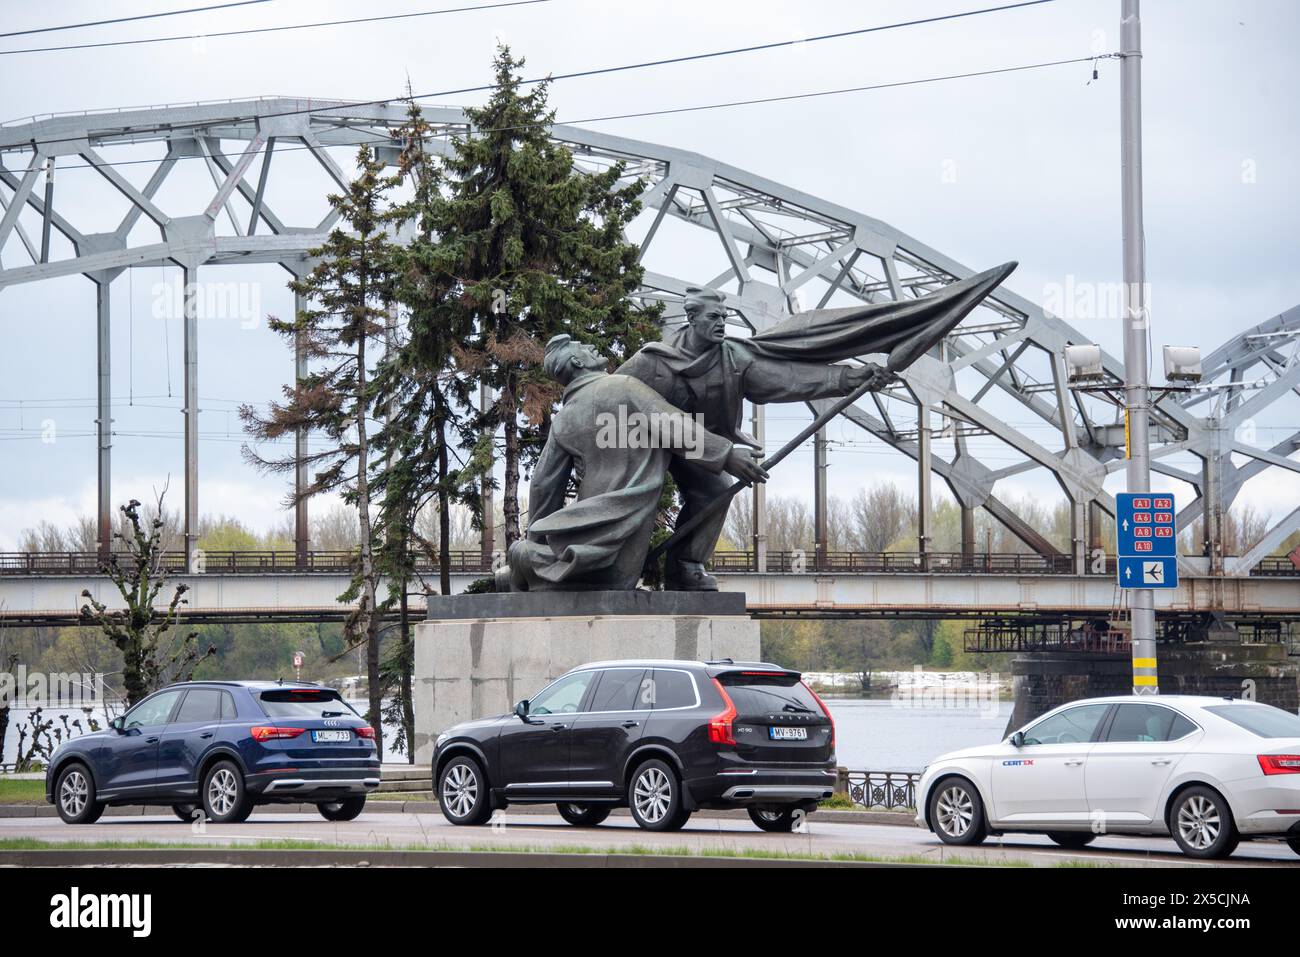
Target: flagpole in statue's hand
[(872, 383)]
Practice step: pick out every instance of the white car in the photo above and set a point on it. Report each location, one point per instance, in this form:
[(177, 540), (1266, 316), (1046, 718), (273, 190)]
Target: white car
[(1208, 771)]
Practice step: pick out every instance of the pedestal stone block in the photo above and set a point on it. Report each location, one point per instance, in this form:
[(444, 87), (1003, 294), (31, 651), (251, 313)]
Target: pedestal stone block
[(469, 666)]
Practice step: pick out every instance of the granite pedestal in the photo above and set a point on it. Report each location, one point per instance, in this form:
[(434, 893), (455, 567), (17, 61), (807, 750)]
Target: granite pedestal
[(477, 655)]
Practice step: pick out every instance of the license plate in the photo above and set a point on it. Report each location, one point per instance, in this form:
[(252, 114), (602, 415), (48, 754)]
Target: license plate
[(788, 734), (336, 735)]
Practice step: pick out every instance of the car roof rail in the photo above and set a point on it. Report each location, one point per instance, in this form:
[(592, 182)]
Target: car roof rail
[(721, 661)]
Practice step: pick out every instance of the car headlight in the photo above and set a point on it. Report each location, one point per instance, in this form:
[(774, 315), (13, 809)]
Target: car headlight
[(441, 739)]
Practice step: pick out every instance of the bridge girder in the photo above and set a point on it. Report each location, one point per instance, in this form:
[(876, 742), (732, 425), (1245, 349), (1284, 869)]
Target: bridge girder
[(778, 248)]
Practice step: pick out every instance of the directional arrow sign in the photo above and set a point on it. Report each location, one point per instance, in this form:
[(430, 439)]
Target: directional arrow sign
[(1144, 524), (1141, 572)]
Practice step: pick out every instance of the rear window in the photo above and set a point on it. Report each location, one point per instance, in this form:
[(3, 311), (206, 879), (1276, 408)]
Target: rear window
[(1261, 719), (621, 689), (769, 694), (200, 704), (1148, 722), (300, 703), (670, 689)]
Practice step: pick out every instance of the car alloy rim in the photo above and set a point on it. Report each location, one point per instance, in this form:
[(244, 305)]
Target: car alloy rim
[(460, 790), (576, 809), (956, 811), (769, 815), (652, 795), (1198, 822), (73, 793), (221, 792)]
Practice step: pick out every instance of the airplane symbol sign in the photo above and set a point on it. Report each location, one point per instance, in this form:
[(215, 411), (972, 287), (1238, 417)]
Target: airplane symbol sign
[(1142, 572)]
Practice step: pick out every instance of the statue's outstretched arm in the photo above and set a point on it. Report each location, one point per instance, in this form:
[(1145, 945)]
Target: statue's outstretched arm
[(777, 380)]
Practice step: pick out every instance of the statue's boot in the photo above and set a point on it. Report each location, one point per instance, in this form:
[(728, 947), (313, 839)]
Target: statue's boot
[(689, 576)]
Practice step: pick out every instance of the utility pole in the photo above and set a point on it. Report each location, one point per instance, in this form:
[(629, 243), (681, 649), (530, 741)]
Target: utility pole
[(1137, 397)]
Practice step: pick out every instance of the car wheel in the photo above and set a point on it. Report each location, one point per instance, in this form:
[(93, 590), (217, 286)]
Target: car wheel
[(1293, 843), (463, 792), (74, 795), (584, 815), (957, 813), (655, 797), (1073, 840), (185, 812), (345, 810), (1201, 824), (780, 820), (225, 799)]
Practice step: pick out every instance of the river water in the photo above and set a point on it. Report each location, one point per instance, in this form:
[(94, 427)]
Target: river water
[(871, 734)]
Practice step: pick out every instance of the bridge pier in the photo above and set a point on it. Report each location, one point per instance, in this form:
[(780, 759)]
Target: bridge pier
[(190, 292), (924, 510), (301, 524), (821, 528), (104, 415), (1263, 672)]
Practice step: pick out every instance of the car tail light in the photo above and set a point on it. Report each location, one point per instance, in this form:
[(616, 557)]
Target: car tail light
[(1280, 763), (720, 725), (825, 710), (268, 733), (365, 732)]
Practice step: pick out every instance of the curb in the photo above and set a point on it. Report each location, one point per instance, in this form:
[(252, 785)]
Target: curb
[(382, 858), (895, 818)]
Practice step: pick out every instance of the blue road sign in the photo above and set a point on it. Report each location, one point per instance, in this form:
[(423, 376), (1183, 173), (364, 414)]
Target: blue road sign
[(1146, 540), (1159, 572), (1144, 524)]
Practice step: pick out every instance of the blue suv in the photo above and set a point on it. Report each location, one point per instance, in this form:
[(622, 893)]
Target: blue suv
[(225, 745)]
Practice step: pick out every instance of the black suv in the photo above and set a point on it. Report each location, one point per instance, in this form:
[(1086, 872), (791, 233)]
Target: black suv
[(663, 738)]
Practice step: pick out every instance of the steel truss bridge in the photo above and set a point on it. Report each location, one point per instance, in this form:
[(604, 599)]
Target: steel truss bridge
[(773, 250)]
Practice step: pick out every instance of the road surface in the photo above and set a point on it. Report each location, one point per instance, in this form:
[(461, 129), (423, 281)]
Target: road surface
[(703, 835)]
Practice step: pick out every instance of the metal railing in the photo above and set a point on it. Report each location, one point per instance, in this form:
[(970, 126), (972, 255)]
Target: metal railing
[(470, 562), (1279, 566), (883, 790), (897, 562), (223, 562)]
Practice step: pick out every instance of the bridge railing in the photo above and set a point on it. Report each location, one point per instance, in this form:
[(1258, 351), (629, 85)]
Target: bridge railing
[(897, 562), (1276, 566), (470, 562)]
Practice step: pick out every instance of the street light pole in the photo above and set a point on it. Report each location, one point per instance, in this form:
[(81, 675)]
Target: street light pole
[(1136, 319)]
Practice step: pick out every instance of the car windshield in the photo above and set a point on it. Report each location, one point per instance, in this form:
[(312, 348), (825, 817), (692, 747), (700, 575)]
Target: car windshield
[(305, 703), (1261, 719)]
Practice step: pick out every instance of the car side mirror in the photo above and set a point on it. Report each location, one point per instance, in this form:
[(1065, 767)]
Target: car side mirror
[(116, 725), (1018, 739), (521, 709)]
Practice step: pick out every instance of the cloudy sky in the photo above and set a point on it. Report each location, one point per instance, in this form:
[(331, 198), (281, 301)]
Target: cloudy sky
[(1020, 166)]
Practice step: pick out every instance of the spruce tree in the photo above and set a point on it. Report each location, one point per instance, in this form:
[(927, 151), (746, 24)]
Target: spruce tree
[(342, 328), (532, 247)]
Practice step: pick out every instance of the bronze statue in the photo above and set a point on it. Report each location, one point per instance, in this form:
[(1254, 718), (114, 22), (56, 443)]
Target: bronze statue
[(700, 369), (695, 385), (616, 435)]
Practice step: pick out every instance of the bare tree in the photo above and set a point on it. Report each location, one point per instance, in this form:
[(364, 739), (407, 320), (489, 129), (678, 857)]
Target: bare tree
[(153, 652), (880, 515)]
